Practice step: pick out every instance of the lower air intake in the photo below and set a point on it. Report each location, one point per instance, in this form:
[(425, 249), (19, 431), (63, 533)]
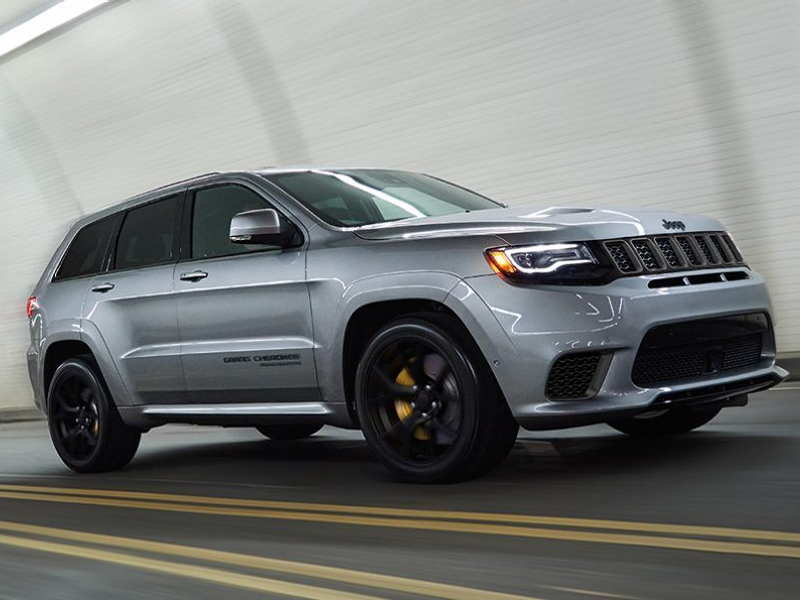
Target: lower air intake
[(572, 375), (695, 350)]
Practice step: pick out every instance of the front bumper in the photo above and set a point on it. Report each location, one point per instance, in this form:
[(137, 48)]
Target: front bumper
[(523, 330)]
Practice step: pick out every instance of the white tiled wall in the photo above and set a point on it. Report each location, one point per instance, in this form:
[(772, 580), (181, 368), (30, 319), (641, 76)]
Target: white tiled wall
[(687, 105)]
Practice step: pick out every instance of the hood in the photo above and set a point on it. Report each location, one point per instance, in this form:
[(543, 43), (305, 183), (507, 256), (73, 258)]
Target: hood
[(575, 224)]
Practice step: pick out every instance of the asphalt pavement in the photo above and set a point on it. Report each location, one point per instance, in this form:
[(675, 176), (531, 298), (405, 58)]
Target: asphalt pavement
[(583, 513)]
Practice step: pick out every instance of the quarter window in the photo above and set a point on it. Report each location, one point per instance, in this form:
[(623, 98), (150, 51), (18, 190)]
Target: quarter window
[(148, 235), (88, 250), (214, 208)]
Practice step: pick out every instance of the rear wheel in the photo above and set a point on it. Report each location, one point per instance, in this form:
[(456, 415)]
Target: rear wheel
[(295, 431), (672, 422), (429, 406), (85, 427)]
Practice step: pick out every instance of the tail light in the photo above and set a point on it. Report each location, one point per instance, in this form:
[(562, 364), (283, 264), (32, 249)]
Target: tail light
[(31, 306)]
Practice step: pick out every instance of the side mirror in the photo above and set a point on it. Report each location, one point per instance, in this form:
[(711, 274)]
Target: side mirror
[(262, 226)]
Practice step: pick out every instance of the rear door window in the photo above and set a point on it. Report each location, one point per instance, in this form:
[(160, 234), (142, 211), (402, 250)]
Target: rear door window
[(88, 250), (148, 235)]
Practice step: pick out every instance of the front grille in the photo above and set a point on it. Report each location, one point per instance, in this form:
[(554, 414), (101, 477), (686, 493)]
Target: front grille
[(732, 247), (679, 252), (646, 254), (696, 349), (724, 253), (621, 257), (572, 374), (665, 245), (705, 249), (688, 250)]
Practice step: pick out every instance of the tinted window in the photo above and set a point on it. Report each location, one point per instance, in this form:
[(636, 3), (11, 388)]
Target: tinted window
[(354, 197), (88, 250), (211, 220), (148, 235)]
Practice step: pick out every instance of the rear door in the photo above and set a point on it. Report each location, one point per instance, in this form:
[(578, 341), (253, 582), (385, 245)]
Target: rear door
[(243, 310), (132, 306)]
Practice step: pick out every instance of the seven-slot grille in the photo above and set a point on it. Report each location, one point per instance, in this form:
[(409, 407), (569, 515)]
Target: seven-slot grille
[(677, 252)]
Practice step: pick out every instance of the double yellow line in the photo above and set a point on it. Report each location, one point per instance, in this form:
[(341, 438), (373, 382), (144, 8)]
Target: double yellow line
[(89, 546), (752, 542)]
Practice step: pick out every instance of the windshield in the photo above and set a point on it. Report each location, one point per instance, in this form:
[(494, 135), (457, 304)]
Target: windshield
[(353, 198)]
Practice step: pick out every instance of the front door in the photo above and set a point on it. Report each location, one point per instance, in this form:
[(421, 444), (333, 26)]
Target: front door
[(243, 310)]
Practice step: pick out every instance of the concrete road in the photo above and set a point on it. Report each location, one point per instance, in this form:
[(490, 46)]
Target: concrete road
[(588, 513)]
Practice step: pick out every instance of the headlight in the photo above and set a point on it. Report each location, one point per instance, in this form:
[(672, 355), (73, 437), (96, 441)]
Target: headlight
[(554, 264)]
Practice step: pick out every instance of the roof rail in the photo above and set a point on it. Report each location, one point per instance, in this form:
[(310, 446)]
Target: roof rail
[(180, 181)]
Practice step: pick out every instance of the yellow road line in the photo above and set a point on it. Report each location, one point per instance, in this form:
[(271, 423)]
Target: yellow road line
[(362, 578), (589, 592), (218, 576), (627, 526), (432, 525)]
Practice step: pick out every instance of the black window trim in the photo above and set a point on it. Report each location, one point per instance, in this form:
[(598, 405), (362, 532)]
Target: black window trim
[(185, 252), (112, 251)]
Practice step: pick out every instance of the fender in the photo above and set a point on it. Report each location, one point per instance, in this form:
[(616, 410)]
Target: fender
[(66, 331), (333, 304), (497, 347)]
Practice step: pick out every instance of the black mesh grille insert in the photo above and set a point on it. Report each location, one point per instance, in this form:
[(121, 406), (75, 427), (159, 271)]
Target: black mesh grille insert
[(621, 258), (732, 247), (688, 250), (706, 249), (696, 349), (668, 252), (646, 255), (723, 252), (742, 352), (572, 374)]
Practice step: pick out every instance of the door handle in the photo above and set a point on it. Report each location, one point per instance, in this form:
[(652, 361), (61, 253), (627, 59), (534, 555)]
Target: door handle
[(102, 288), (193, 275)]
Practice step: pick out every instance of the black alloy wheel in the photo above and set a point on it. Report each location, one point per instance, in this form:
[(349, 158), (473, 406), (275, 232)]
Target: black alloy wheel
[(85, 427), (428, 403), (75, 415)]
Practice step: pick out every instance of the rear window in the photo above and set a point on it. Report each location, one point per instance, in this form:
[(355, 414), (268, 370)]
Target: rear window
[(88, 250), (147, 236)]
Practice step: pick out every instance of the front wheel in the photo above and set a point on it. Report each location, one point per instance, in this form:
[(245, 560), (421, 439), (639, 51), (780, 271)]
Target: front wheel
[(294, 431), (428, 404), (672, 422), (85, 427)]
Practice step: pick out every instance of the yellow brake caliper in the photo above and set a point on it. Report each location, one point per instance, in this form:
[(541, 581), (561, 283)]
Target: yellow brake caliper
[(404, 408), (96, 424)]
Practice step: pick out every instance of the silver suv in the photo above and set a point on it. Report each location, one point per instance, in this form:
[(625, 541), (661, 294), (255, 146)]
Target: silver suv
[(431, 317)]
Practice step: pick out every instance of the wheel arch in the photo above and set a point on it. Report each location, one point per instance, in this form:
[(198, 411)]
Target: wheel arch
[(60, 348), (368, 319), (55, 355)]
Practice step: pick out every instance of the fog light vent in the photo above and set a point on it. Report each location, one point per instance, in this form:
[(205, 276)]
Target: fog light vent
[(573, 376)]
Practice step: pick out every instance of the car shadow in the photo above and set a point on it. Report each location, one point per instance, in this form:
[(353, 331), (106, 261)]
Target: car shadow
[(540, 459)]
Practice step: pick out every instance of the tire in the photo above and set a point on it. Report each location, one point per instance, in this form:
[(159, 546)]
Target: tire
[(429, 406), (85, 427), (294, 431), (673, 422)]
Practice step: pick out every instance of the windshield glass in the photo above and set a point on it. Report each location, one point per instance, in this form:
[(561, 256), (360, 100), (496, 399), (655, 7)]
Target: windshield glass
[(353, 198)]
